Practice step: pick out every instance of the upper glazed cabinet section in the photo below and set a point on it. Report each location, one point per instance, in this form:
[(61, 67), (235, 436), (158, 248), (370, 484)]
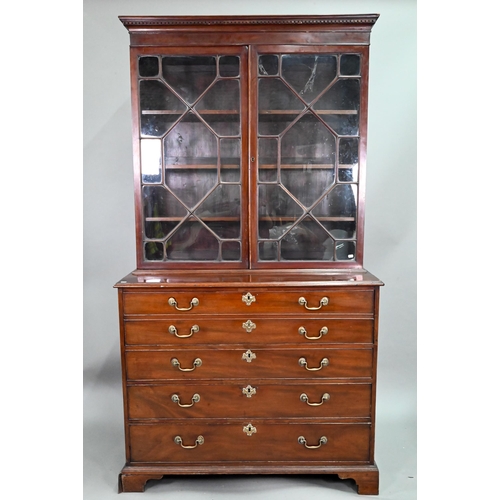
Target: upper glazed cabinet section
[(249, 141)]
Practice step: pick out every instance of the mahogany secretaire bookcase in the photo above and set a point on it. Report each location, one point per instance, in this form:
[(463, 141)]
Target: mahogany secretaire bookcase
[(249, 328)]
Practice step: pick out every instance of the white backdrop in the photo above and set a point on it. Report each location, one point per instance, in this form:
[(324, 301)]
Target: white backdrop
[(390, 238)]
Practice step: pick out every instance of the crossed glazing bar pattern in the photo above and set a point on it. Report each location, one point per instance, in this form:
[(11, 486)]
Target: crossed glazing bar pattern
[(308, 148), (190, 157)]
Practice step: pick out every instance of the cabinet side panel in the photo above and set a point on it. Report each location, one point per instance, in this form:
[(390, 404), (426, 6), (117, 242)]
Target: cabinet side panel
[(124, 374)]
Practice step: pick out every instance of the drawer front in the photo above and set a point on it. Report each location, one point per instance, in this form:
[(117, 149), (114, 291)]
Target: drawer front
[(266, 442), (206, 330), (341, 300), (305, 363), (249, 400)]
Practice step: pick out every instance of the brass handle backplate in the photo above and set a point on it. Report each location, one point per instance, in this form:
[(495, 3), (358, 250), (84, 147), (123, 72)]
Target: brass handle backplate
[(199, 441), (322, 302), (173, 330), (195, 399), (322, 332), (194, 302), (176, 364), (303, 397), (324, 362), (322, 441)]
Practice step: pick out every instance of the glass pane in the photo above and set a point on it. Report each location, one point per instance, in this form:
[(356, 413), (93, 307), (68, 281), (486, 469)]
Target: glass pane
[(268, 160), (192, 173), (160, 108), (230, 154), (348, 151), (151, 160), (339, 106), (348, 159), (221, 211), (268, 65), (268, 250), (341, 201), (231, 250), (154, 95), (306, 171), (278, 106), (229, 66), (189, 76), (220, 107), (276, 210), (149, 66), (308, 74), (306, 240), (350, 64), (345, 250), (348, 174), (192, 241), (308, 159), (190, 151), (153, 251), (162, 212)]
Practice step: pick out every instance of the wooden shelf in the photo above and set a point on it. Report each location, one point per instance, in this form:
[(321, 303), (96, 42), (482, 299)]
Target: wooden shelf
[(317, 111), (266, 166), (180, 112), (261, 112), (206, 219), (237, 219)]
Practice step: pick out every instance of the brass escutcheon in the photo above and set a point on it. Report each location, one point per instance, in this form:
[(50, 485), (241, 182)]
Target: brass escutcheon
[(249, 429), (249, 391), (248, 356), (249, 326), (248, 298)]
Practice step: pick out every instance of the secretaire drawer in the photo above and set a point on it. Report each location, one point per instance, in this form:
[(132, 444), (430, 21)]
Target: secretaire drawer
[(249, 441), (249, 399), (197, 363), (300, 301), (258, 330)]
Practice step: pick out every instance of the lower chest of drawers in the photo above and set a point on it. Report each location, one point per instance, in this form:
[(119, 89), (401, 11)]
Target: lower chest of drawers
[(249, 377)]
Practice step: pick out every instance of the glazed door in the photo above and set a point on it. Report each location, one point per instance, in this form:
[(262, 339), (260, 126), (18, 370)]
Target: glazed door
[(190, 110), (308, 124)]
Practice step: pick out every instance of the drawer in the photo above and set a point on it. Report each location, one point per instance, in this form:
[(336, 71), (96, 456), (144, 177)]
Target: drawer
[(343, 300), (253, 399), (222, 363), (207, 330), (249, 441)]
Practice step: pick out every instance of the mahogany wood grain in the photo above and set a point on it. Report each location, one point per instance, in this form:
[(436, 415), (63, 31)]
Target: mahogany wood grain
[(267, 330), (275, 412), (366, 477), (215, 302), (228, 442), (224, 362), (269, 400)]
